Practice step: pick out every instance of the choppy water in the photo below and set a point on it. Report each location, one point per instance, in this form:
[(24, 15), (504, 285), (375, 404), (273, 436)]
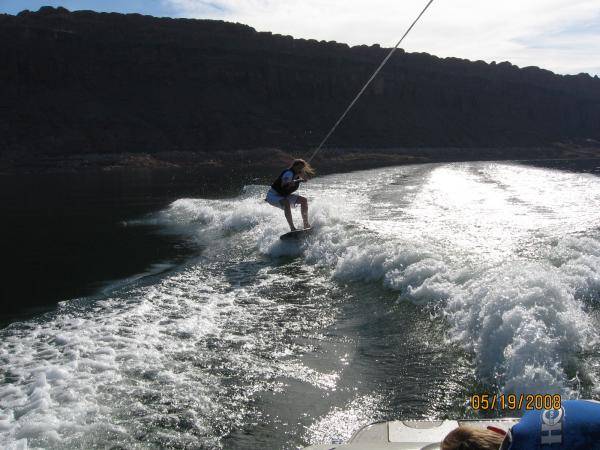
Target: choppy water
[(420, 286)]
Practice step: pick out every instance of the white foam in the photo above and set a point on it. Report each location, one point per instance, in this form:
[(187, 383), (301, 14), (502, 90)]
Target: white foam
[(461, 241), (486, 239), (78, 377)]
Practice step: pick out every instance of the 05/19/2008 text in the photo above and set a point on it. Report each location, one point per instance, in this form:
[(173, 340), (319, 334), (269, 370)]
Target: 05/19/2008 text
[(515, 402)]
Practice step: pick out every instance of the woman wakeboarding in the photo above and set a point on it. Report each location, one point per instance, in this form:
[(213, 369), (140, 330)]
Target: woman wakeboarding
[(281, 194)]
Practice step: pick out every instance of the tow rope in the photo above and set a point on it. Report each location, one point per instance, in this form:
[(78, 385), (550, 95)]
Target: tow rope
[(385, 60)]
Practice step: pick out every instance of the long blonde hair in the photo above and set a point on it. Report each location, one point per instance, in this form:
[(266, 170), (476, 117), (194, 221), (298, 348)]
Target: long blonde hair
[(308, 169), (470, 438)]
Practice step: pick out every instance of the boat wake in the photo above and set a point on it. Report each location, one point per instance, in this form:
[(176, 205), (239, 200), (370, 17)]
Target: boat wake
[(502, 260)]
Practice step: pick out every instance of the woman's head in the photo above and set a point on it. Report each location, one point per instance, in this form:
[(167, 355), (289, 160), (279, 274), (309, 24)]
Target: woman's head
[(299, 165), (470, 438)]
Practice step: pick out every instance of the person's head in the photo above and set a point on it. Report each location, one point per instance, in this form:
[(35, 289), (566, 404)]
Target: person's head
[(471, 438), (301, 166)]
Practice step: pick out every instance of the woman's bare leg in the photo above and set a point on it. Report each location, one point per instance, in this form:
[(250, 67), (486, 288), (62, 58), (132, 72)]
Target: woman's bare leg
[(288, 213), (304, 211)]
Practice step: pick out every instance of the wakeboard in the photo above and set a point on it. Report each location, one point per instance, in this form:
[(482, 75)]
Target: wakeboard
[(296, 234)]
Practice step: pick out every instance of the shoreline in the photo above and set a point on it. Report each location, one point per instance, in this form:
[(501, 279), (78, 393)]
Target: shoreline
[(257, 162)]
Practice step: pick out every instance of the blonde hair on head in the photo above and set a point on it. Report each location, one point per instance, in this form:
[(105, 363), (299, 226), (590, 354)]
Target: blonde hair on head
[(308, 169), (471, 438)]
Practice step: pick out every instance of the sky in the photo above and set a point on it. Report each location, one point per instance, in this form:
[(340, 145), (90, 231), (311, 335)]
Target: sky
[(559, 35)]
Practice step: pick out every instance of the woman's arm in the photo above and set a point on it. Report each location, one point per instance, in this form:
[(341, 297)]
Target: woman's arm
[(290, 180)]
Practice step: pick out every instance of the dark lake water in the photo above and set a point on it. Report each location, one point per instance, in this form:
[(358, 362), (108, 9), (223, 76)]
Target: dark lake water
[(64, 235)]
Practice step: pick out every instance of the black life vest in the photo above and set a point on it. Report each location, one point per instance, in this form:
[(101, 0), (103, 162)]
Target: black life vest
[(280, 189)]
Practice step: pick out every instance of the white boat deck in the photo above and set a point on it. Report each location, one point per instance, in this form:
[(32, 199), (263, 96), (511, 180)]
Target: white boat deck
[(408, 434)]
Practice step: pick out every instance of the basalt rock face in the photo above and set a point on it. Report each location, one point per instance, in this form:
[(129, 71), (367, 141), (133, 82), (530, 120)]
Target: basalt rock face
[(76, 82)]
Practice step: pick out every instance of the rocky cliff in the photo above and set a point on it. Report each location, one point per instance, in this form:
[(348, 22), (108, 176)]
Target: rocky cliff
[(85, 82)]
